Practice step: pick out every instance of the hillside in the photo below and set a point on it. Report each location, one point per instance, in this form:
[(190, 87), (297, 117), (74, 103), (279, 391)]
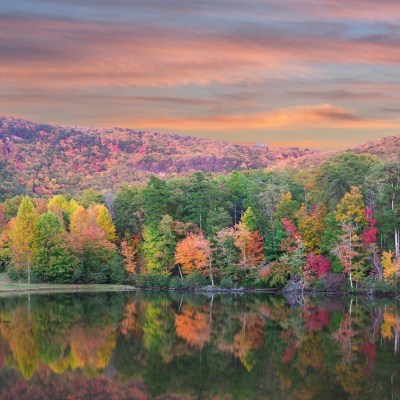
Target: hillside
[(45, 159)]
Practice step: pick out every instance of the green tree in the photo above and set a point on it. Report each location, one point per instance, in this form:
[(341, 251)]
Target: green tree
[(11, 207), (91, 197), (237, 184), (383, 184), (128, 211), (159, 246), (339, 174), (156, 199), (53, 260), (217, 219)]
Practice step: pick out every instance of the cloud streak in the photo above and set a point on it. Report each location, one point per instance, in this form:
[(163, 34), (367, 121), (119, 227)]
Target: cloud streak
[(204, 67)]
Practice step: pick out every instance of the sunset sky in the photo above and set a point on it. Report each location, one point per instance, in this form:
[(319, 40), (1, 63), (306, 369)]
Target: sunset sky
[(312, 73)]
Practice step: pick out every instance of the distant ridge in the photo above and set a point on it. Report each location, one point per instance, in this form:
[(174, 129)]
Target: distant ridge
[(44, 159)]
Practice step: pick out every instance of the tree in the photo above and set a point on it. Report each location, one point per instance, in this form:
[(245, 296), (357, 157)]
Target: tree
[(194, 254), (53, 260), (383, 183), (249, 220), (129, 250), (226, 253), (99, 261), (129, 214), (346, 250), (104, 221), (343, 171), (391, 268), (91, 197), (242, 241), (255, 250), (236, 183), (22, 234), (159, 243), (11, 207), (60, 207), (350, 214), (311, 227), (217, 219), (195, 197), (156, 199), (370, 240), (316, 266)]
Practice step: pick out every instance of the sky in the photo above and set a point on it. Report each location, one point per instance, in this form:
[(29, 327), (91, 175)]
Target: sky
[(310, 73)]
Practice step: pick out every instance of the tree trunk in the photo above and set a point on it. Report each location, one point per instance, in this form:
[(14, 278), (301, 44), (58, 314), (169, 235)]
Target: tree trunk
[(351, 281)]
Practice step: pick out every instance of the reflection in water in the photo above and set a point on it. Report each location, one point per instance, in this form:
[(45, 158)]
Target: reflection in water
[(178, 346)]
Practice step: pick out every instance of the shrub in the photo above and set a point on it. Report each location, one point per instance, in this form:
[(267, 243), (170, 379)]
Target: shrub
[(152, 280), (16, 275), (195, 280), (176, 283), (226, 283), (315, 285)]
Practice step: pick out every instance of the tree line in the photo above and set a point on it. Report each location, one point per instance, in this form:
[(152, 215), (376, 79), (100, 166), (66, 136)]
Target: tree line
[(251, 228)]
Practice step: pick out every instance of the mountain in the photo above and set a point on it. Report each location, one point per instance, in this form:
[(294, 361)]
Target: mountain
[(45, 159)]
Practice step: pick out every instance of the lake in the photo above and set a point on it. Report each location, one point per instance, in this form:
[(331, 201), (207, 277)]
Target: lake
[(181, 346)]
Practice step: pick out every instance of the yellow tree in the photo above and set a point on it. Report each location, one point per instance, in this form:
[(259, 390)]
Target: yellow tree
[(390, 268), (311, 227), (22, 234), (350, 214), (242, 241), (78, 219), (104, 221)]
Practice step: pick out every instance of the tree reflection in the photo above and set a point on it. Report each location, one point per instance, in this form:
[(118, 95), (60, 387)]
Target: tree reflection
[(146, 345)]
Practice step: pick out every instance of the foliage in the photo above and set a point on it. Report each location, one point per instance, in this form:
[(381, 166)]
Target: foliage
[(53, 260), (22, 235)]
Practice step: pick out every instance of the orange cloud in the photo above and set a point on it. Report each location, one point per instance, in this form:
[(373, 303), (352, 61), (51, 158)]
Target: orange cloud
[(323, 115)]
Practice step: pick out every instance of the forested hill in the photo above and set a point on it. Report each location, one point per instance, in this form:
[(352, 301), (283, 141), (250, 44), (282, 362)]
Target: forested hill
[(46, 160)]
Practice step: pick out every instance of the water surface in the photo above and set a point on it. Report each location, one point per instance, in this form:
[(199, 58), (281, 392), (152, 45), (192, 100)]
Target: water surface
[(179, 346)]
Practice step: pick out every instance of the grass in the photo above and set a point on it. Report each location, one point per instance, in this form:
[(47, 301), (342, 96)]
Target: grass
[(9, 286)]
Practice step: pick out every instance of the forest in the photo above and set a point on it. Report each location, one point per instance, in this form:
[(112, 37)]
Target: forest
[(256, 228), (45, 160)]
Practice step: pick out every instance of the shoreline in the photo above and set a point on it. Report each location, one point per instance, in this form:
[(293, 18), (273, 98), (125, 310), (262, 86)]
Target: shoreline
[(37, 288)]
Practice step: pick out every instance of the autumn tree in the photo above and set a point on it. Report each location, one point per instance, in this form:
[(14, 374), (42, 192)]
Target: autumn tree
[(104, 221), (391, 268), (22, 235), (129, 250), (60, 207), (350, 214), (194, 254), (99, 261), (311, 227)]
